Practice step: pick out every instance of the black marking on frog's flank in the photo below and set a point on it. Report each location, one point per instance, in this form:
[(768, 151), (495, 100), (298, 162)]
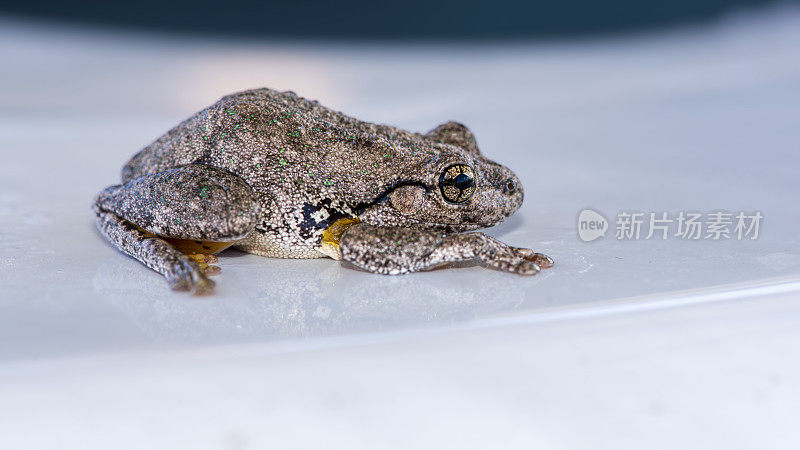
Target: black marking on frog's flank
[(266, 227), (319, 216)]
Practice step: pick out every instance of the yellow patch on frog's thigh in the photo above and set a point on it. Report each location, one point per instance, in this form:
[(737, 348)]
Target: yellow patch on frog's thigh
[(192, 247), (332, 235), (202, 252)]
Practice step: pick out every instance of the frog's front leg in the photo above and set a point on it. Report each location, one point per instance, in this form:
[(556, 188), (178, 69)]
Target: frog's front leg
[(195, 208), (396, 250)]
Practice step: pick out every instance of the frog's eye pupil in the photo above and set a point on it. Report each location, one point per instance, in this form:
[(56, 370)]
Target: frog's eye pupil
[(457, 183), (463, 181)]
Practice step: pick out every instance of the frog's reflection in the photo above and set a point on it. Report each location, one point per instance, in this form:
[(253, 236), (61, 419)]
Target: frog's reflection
[(269, 298)]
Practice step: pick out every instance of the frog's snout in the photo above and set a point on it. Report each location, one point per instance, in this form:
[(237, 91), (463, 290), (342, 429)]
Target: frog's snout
[(511, 188)]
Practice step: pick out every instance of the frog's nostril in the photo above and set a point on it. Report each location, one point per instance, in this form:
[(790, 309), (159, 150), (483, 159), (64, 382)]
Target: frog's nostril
[(509, 186)]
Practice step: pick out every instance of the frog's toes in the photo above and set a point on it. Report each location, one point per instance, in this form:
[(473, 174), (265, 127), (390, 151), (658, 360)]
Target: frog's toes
[(518, 266), (187, 276), (211, 270), (204, 262), (518, 260), (543, 261), (202, 258), (203, 286), (540, 259)]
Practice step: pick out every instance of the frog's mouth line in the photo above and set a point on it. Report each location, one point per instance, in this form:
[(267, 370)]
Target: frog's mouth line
[(466, 224)]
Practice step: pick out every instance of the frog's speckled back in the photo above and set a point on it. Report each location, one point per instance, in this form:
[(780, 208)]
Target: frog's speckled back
[(288, 141)]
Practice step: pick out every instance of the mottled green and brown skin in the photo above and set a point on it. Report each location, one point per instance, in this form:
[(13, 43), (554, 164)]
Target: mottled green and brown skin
[(277, 175)]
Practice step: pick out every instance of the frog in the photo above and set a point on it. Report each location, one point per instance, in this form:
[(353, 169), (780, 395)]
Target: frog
[(274, 174)]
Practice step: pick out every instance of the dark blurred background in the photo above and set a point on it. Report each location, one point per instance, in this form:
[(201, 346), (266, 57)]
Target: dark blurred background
[(410, 19)]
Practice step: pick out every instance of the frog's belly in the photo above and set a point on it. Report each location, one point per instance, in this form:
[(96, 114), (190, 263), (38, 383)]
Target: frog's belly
[(265, 244)]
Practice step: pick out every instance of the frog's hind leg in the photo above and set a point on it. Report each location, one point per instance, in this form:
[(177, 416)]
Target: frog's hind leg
[(174, 221), (395, 250), (181, 272)]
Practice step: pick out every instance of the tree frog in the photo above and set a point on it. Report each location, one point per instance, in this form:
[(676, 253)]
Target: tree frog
[(274, 174)]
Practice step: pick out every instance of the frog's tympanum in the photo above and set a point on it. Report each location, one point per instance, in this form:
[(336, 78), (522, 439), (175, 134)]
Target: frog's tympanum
[(277, 175)]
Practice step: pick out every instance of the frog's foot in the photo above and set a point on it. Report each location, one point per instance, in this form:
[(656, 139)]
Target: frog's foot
[(205, 263), (186, 275), (540, 259), (495, 254), (395, 250)]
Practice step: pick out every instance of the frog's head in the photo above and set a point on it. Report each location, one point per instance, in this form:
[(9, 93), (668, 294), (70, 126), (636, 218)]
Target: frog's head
[(456, 189)]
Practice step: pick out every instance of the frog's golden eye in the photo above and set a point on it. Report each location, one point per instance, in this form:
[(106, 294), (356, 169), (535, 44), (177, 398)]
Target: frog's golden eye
[(457, 183)]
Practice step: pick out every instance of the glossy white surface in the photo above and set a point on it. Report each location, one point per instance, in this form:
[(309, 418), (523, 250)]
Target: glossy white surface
[(656, 344)]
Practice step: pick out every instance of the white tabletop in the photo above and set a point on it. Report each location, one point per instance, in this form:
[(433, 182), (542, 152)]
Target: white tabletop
[(624, 344)]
